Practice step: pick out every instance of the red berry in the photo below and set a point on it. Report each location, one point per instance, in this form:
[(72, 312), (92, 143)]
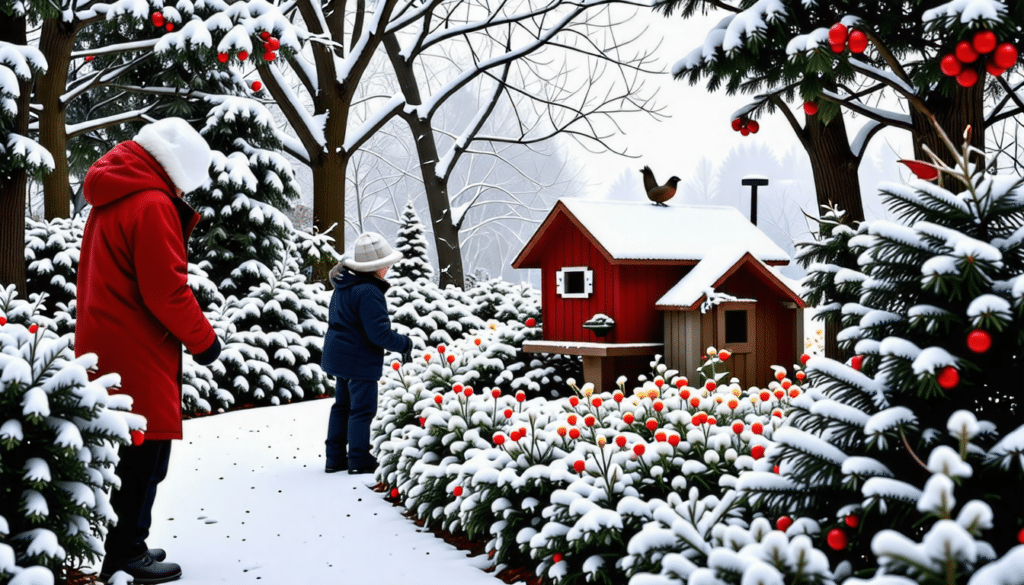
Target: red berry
[(265, 35), (810, 108), (783, 523), (243, 55), (965, 52), (423, 422), (852, 520), (744, 131), (222, 57), (269, 56), (639, 449), (804, 358), (950, 65), (157, 18), (967, 78), (856, 362), (33, 328), (579, 466), (1020, 536), (757, 451), (837, 539), (3, 320), (984, 41), (530, 322), (169, 26), (273, 44), (979, 341), (993, 69), (858, 41), (394, 365), (837, 35), (457, 491), (948, 378), (1005, 56), (438, 398), (394, 493), (557, 558), (737, 124), (838, 47), (89, 57), (138, 437)]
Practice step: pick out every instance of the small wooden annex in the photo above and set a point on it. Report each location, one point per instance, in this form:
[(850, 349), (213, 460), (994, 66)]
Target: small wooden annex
[(674, 280)]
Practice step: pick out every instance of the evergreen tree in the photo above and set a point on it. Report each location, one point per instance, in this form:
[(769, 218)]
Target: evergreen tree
[(412, 243), (930, 402)]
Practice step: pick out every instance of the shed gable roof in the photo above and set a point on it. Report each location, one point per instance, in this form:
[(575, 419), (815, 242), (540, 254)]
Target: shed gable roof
[(713, 271), (637, 231)]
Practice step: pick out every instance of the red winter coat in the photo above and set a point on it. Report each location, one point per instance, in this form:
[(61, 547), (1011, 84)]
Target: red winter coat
[(135, 308)]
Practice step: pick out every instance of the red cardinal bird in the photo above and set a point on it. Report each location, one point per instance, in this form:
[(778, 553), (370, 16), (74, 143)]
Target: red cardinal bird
[(659, 194)]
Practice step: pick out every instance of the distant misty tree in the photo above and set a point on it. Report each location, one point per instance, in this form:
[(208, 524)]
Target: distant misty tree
[(412, 243)]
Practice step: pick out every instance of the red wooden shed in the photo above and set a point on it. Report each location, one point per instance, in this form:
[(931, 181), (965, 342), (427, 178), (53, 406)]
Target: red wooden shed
[(673, 280)]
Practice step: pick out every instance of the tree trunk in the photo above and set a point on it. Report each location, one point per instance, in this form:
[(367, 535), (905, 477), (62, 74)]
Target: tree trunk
[(329, 202), (836, 182), (56, 41), (14, 182), (954, 113), (446, 233)]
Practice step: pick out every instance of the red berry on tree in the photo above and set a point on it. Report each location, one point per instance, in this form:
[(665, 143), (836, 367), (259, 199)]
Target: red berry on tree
[(243, 55), (753, 126), (979, 341), (984, 41), (1005, 56), (737, 124), (744, 131), (530, 322), (993, 69), (858, 41), (457, 491), (138, 437), (838, 47), (838, 34), (837, 539), (269, 56), (33, 328), (158, 19), (222, 57), (90, 57), (856, 362), (394, 493), (948, 378), (169, 26), (967, 78), (950, 65), (557, 558), (810, 108), (965, 52), (265, 35), (783, 523), (1020, 536), (852, 520)]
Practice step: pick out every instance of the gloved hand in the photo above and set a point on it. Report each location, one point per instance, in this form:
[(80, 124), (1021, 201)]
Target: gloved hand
[(209, 355), (407, 356)]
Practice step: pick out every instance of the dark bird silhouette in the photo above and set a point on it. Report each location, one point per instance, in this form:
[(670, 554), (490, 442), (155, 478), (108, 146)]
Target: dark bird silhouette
[(659, 194)]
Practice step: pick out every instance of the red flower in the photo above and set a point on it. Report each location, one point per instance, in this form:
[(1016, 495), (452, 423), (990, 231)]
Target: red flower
[(757, 428), (596, 401), (779, 375), (695, 402), (680, 382), (659, 382), (617, 397), (426, 357), (438, 399), (757, 451), (478, 341), (265, 35), (673, 440), (574, 434), (699, 418), (737, 427), (242, 56), (620, 440), (520, 396), (579, 466), (786, 384), (710, 385), (804, 358), (589, 420), (33, 328), (765, 396), (628, 418), (3, 321), (396, 366), (514, 435), (639, 449), (468, 391), (457, 388), (508, 413), (561, 431), (684, 394), (660, 436), (522, 431), (451, 359), (457, 491), (856, 362), (733, 404), (571, 418), (659, 406), (499, 438), (801, 375), (779, 394), (711, 420), (794, 393), (574, 402), (423, 422), (441, 348), (496, 393), (651, 424)]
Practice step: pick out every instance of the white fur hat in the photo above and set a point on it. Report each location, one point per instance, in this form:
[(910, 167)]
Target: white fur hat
[(372, 252), (179, 149)]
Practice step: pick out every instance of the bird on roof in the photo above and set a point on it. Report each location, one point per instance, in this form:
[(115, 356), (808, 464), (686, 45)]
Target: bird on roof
[(659, 194)]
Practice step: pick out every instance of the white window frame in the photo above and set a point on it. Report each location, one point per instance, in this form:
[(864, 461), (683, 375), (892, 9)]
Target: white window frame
[(588, 282)]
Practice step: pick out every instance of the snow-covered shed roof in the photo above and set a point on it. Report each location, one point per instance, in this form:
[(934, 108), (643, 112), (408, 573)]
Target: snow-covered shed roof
[(630, 231), (714, 269)]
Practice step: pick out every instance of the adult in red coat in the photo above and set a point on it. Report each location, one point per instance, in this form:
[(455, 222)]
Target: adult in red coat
[(135, 310)]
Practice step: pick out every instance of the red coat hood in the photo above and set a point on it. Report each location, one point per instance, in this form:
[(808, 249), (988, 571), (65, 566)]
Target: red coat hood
[(126, 169)]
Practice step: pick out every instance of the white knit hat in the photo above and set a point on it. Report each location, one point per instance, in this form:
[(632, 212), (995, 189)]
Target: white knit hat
[(179, 149), (372, 252)]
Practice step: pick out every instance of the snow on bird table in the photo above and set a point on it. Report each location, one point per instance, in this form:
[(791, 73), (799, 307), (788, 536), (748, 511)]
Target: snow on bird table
[(246, 500)]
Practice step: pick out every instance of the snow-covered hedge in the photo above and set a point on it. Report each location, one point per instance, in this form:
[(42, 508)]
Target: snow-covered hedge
[(58, 438), (580, 487)]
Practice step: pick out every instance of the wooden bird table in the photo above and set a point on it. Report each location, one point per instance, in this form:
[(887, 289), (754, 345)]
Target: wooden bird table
[(598, 358)]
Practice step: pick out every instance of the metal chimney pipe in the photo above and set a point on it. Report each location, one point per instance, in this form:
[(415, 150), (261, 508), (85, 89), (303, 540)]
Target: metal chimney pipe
[(754, 182)]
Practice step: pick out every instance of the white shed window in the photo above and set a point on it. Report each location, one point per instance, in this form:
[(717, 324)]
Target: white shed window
[(574, 282)]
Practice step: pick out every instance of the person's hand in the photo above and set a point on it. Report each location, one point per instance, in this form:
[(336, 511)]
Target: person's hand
[(209, 355), (407, 356)]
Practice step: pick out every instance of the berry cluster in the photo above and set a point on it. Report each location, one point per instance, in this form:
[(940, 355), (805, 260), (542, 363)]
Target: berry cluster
[(745, 126), (1001, 56), (270, 47), (160, 22), (840, 38)]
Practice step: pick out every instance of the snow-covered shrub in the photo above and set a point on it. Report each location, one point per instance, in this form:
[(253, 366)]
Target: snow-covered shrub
[(58, 437), (411, 241), (51, 256)]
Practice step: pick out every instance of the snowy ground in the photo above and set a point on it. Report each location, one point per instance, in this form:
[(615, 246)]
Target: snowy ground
[(247, 501)]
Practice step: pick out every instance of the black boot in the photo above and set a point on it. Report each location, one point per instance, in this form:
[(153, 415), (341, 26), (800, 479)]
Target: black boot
[(144, 569)]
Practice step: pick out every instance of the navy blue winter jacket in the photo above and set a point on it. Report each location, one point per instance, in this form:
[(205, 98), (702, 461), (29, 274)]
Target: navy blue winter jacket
[(359, 329)]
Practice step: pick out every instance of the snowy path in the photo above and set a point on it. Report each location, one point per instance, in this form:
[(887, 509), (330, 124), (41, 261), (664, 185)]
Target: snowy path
[(247, 501)]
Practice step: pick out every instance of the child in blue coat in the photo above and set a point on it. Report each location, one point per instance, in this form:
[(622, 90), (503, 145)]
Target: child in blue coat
[(358, 333)]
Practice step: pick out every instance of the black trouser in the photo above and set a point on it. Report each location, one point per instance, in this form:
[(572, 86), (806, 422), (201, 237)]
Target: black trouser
[(141, 470)]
